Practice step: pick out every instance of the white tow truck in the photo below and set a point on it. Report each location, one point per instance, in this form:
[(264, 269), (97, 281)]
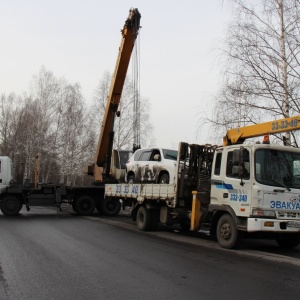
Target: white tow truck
[(230, 191)]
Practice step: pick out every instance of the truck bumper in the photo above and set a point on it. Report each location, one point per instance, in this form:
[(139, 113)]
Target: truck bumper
[(273, 225)]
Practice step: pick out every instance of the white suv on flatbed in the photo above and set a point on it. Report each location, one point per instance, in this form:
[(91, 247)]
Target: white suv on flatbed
[(155, 165)]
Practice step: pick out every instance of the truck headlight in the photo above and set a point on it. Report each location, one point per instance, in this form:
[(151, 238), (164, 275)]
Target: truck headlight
[(263, 213)]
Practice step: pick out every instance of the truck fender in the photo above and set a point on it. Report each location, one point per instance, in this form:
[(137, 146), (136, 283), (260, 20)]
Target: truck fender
[(217, 211)]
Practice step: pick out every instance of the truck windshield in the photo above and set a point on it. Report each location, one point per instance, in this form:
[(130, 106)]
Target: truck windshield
[(277, 168)]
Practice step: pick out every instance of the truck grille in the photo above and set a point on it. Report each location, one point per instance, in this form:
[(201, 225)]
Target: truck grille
[(287, 215)]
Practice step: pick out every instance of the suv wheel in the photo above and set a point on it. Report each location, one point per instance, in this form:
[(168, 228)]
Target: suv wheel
[(164, 178), (131, 179)]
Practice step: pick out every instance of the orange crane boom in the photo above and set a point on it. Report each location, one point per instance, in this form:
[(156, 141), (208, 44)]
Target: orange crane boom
[(102, 159), (238, 135)]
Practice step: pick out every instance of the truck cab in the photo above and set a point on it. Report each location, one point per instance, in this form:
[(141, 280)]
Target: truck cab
[(6, 172), (258, 185)]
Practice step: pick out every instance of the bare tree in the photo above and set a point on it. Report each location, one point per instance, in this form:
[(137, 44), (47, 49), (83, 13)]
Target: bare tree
[(55, 123), (72, 135), (261, 65), (67, 151), (23, 130), (52, 122), (123, 138), (13, 127), (10, 107)]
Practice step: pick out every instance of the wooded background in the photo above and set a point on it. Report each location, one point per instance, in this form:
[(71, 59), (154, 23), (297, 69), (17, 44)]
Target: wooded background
[(260, 65)]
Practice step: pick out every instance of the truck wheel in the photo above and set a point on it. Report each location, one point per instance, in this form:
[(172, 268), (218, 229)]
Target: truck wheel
[(11, 205), (110, 207), (288, 240), (84, 205), (164, 178), (143, 219), (227, 234)]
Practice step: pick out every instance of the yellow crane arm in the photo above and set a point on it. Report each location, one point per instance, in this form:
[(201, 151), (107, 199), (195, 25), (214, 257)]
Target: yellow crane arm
[(103, 153), (239, 135)]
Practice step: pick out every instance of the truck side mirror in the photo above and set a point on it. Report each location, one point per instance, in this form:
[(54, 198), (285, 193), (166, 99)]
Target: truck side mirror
[(238, 163)]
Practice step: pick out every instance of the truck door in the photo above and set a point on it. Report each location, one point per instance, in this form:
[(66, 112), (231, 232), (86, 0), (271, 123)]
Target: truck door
[(143, 172), (151, 169), (231, 179)]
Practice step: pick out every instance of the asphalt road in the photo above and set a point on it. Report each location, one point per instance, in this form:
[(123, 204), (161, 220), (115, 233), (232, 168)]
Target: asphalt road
[(48, 256)]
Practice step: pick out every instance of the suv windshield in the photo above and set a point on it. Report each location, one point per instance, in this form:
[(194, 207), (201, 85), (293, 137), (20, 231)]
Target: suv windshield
[(277, 168), (170, 154)]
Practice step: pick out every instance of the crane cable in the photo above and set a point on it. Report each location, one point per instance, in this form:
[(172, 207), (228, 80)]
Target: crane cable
[(136, 94)]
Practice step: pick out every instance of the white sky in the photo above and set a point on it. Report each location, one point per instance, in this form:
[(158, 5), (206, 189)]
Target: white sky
[(79, 40)]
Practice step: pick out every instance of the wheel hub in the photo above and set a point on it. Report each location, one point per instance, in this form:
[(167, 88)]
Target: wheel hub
[(11, 205), (85, 205), (110, 206), (226, 231)]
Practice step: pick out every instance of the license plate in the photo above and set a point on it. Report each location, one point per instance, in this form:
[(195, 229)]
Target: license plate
[(293, 224)]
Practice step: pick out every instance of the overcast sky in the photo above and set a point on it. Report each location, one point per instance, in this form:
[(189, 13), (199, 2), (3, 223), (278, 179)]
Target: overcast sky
[(79, 40)]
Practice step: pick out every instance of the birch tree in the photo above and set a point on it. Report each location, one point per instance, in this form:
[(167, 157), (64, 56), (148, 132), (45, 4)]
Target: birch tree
[(52, 122), (123, 138), (261, 64), (55, 123), (13, 129), (66, 149)]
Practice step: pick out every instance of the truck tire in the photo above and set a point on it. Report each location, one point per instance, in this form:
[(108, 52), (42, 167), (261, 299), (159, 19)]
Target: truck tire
[(110, 206), (288, 240), (84, 205), (144, 219), (227, 233), (11, 205)]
